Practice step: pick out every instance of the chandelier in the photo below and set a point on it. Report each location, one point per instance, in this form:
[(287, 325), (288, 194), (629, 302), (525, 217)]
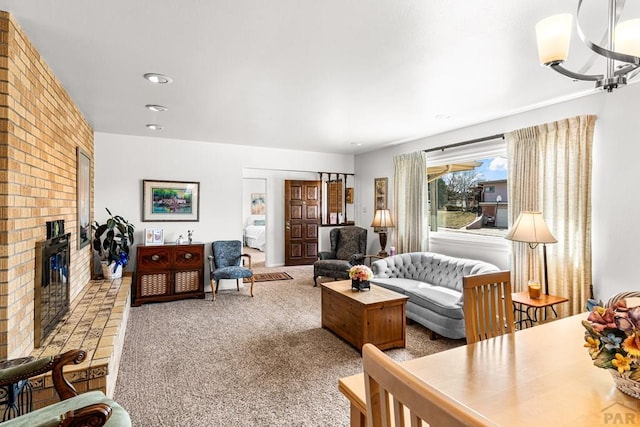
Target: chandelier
[(622, 51)]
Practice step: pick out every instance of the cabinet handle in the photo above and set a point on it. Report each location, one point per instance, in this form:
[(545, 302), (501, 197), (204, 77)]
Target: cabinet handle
[(187, 256), (155, 257)]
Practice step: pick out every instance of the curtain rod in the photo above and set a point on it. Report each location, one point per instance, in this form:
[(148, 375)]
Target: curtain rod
[(469, 142)]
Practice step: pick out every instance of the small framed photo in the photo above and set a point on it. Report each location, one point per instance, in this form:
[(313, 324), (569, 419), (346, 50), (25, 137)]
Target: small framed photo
[(153, 236), (170, 200)]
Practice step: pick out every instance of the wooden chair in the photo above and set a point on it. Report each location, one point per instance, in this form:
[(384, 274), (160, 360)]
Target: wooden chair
[(488, 308), (91, 408), (395, 397)]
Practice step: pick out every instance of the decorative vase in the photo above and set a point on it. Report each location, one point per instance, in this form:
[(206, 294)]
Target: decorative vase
[(111, 271), (360, 285), (625, 384)]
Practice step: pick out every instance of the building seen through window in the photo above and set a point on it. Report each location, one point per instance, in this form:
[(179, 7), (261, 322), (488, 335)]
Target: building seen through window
[(469, 197)]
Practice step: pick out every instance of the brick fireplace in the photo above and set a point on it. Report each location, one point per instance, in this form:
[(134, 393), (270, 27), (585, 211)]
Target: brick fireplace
[(40, 130)]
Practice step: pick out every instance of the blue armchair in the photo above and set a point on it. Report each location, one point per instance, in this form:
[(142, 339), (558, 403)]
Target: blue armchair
[(224, 263), (348, 248)]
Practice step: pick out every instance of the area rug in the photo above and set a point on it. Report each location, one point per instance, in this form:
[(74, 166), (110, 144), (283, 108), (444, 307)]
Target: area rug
[(270, 277)]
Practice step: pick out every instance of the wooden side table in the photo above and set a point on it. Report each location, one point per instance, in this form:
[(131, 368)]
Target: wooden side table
[(526, 309)]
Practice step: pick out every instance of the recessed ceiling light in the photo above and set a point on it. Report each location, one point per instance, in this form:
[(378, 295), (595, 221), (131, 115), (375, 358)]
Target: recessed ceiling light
[(153, 126), (153, 107), (443, 116), (158, 78), (357, 144)]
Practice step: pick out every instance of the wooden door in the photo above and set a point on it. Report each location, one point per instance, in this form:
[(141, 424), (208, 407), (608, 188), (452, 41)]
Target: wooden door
[(301, 221)]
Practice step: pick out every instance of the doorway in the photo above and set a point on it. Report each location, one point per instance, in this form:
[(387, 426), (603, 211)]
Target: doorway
[(254, 213)]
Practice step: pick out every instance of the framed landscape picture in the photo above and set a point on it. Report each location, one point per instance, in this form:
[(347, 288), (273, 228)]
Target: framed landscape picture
[(170, 200)]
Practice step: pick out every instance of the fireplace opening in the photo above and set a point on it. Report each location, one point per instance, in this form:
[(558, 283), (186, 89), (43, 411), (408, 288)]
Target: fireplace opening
[(51, 285)]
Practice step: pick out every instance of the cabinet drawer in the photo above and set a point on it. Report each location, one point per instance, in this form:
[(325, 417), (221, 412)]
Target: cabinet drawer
[(153, 258), (188, 256)]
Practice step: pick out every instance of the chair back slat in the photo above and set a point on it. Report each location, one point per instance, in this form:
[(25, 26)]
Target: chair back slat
[(396, 397), (488, 307)]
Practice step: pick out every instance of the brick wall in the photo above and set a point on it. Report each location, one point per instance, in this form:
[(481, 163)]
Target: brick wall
[(40, 130)]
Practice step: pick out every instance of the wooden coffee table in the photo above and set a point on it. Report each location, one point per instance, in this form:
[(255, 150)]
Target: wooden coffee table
[(376, 316)]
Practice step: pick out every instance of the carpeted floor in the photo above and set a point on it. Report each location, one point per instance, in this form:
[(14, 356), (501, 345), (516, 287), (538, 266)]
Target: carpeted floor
[(242, 361)]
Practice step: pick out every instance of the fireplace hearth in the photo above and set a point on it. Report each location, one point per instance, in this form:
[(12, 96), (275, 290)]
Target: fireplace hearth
[(51, 285)]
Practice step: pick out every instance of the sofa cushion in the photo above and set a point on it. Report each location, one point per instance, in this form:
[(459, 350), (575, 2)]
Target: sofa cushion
[(399, 285), (439, 299)]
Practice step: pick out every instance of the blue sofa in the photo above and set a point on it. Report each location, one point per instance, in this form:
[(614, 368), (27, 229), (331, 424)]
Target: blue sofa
[(433, 283)]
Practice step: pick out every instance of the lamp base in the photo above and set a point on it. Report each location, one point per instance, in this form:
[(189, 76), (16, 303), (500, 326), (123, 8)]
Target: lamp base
[(383, 242)]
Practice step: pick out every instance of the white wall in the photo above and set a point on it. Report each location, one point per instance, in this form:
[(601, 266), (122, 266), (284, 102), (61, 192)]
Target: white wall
[(616, 160), (122, 162)]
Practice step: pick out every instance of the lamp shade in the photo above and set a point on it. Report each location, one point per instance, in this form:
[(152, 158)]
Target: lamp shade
[(628, 37), (382, 218), (554, 35), (530, 228)]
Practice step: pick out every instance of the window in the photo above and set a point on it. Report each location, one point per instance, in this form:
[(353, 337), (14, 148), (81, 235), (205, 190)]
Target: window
[(468, 191)]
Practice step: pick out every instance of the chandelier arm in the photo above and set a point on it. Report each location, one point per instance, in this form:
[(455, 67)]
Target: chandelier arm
[(587, 65), (577, 76), (633, 73), (629, 68), (599, 49)]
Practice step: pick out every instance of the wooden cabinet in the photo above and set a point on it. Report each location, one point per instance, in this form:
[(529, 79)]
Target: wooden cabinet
[(169, 272)]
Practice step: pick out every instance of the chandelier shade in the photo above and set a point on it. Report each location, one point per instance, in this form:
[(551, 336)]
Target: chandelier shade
[(622, 52)]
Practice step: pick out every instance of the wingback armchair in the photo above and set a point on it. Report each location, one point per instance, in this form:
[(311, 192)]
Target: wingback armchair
[(348, 248)]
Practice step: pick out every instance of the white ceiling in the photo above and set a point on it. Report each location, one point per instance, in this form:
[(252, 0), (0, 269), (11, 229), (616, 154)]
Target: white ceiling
[(318, 75)]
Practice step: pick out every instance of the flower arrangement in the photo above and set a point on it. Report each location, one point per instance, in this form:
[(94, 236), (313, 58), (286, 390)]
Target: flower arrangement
[(360, 273), (613, 338)]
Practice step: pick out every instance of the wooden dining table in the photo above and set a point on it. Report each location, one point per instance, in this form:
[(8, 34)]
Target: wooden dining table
[(540, 376)]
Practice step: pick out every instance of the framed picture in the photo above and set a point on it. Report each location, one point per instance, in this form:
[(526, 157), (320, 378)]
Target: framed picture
[(380, 193), (258, 205), (349, 196), (170, 200), (83, 184), (153, 236)]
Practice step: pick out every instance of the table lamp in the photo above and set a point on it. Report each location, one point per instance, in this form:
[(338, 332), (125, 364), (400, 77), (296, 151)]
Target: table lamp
[(530, 228), (382, 220)]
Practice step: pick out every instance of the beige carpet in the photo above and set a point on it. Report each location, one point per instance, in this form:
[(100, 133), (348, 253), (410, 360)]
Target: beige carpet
[(242, 361)]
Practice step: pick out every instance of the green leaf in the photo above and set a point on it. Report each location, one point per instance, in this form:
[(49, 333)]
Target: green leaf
[(603, 359)]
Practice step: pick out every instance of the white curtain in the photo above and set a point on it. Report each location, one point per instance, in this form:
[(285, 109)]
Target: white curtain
[(410, 195), (550, 171)]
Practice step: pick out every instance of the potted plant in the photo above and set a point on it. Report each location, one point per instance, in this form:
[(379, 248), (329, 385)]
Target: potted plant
[(111, 241)]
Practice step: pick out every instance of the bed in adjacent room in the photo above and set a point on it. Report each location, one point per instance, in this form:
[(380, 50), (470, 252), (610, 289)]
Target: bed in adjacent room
[(254, 232)]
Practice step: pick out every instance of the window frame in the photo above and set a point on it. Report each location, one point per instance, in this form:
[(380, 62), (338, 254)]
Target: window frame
[(477, 151)]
